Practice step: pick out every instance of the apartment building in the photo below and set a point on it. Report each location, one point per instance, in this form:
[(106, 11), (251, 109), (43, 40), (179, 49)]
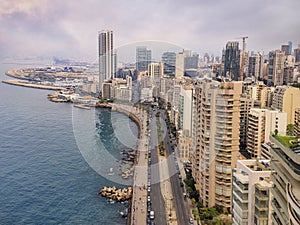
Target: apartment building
[(216, 130), (286, 178), (251, 192)]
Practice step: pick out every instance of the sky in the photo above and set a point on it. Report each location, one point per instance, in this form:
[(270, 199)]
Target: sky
[(69, 28)]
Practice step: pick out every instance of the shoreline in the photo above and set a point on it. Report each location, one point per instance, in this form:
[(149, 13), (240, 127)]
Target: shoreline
[(135, 114), (32, 85)]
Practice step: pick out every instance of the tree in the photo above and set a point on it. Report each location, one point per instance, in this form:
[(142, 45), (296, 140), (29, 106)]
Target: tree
[(290, 129)]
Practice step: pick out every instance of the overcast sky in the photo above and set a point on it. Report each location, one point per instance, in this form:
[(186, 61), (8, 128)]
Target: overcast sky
[(69, 28)]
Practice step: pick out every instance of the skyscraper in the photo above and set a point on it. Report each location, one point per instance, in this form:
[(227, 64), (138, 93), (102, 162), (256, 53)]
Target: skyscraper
[(169, 61), (290, 47), (179, 70), (143, 58), (232, 60), (285, 49), (106, 56), (297, 54), (276, 67)]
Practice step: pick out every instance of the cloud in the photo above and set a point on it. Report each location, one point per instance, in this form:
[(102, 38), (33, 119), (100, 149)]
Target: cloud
[(69, 28)]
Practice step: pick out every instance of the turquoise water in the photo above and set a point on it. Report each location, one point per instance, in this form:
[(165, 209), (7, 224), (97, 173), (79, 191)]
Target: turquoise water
[(44, 177)]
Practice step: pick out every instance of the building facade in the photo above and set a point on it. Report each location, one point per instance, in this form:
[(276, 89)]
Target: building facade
[(232, 60), (216, 126), (169, 61), (286, 99), (251, 193), (107, 64), (143, 58), (286, 178), (261, 123)]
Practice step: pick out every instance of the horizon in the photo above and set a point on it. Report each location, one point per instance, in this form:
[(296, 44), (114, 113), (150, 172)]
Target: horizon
[(69, 30)]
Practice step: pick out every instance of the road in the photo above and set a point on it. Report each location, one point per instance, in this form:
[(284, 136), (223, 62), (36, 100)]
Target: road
[(158, 204), (180, 204)]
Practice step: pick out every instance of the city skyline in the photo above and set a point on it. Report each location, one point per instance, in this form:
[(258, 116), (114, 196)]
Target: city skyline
[(67, 29)]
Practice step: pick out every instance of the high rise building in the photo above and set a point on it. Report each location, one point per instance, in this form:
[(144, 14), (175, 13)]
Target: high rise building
[(185, 109), (286, 178), (286, 99), (261, 122), (191, 64), (155, 72), (232, 60), (143, 58), (251, 193), (297, 54), (169, 61), (285, 49), (107, 64), (179, 70), (276, 68), (290, 47), (255, 66), (246, 104), (216, 130)]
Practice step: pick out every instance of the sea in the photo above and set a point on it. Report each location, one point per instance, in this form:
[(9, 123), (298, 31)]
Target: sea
[(54, 158)]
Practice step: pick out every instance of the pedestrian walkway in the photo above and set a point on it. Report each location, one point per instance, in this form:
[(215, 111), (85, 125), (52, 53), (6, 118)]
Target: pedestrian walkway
[(139, 196)]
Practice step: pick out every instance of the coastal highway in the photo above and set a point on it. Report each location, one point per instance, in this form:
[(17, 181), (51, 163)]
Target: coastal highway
[(180, 204), (157, 205)]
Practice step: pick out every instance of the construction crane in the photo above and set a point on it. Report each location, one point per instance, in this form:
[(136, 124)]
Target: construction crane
[(243, 58)]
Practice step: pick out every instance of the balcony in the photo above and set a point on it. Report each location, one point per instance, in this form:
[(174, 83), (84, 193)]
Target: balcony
[(294, 205)]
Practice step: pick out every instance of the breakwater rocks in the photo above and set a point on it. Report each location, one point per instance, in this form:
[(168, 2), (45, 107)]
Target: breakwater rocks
[(116, 194)]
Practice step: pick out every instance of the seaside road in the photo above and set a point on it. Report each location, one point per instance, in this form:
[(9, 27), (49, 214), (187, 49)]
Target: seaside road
[(158, 204), (180, 204)]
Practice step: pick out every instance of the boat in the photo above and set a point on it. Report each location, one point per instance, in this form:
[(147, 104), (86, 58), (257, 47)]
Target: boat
[(124, 213), (110, 201), (111, 172)]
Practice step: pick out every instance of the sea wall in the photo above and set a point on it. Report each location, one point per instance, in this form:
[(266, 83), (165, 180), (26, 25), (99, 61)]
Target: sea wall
[(130, 115)]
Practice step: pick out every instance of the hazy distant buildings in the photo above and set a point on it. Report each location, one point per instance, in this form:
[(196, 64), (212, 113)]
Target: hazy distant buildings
[(107, 64), (169, 61), (143, 58), (232, 60), (285, 49), (191, 64), (255, 66), (297, 54)]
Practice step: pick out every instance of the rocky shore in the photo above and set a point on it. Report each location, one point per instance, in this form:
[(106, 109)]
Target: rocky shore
[(116, 194)]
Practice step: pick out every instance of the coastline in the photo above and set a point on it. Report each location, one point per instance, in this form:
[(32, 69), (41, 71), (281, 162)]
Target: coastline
[(135, 114), (32, 85)]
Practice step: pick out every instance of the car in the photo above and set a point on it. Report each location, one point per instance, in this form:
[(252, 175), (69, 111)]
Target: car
[(148, 198), (149, 188), (152, 215), (191, 220)]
